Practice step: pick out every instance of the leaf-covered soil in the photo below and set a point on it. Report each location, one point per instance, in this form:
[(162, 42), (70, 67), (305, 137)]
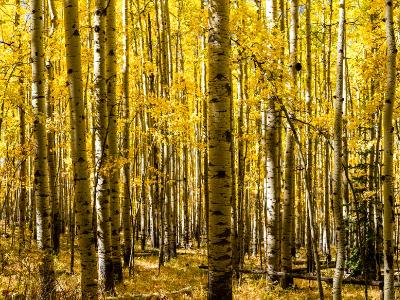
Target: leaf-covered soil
[(180, 278)]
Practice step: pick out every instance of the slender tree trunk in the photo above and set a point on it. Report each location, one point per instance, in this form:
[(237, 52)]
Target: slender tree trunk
[(41, 171), (219, 164), (102, 189), (337, 173), (126, 217), (186, 196), (51, 156), (309, 144), (388, 191), (327, 227), (288, 203), (22, 135), (115, 206), (289, 163), (83, 207)]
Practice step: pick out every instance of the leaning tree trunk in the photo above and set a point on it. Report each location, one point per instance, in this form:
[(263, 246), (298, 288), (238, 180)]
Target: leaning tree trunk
[(219, 162), (41, 174), (388, 192), (337, 166), (79, 153)]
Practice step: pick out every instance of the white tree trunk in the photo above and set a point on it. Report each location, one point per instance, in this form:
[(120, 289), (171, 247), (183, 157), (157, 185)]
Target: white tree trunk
[(79, 153), (115, 205), (219, 162), (102, 188), (388, 192), (41, 171), (337, 172)]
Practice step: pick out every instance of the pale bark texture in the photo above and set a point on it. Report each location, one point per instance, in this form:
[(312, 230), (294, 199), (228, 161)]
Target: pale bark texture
[(115, 206), (337, 166), (83, 206), (102, 189), (219, 161), (272, 151), (388, 190), (271, 195), (41, 171)]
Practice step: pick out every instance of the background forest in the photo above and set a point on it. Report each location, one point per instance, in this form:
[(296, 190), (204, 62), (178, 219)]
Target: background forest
[(193, 149)]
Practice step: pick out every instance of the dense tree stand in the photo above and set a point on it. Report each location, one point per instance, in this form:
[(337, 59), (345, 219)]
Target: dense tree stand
[(205, 149)]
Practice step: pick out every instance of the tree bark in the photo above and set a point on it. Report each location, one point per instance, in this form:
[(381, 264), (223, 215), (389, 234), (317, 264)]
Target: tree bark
[(288, 203), (41, 171), (102, 188), (79, 153), (115, 206), (219, 163), (337, 172), (388, 191), (126, 216)]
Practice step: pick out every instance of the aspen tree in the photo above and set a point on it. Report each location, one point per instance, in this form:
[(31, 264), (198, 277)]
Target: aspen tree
[(309, 154), (142, 140), (111, 78), (327, 229), (102, 189), (219, 164), (51, 143), (271, 185), (288, 202), (41, 171), (203, 89), (388, 190), (327, 95), (286, 254), (241, 170), (337, 172), (237, 224), (126, 211), (22, 134), (51, 155), (79, 152), (372, 259)]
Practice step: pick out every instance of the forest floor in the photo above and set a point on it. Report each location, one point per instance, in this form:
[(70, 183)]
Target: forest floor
[(180, 278)]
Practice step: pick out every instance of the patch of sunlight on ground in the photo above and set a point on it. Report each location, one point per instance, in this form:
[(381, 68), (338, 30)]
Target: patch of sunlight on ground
[(180, 278)]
